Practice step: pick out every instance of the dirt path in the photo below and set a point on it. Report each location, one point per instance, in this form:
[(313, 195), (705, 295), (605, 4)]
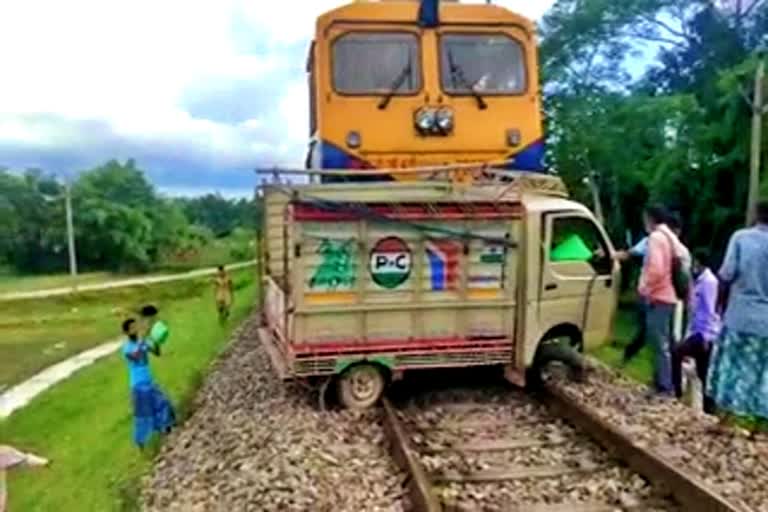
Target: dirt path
[(20, 395), (139, 281)]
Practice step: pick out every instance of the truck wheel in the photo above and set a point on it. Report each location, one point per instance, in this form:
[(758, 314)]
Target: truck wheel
[(561, 349), (361, 386)]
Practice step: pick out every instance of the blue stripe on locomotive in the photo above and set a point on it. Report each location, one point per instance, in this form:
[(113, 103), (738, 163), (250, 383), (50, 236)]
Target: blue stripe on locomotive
[(331, 156)]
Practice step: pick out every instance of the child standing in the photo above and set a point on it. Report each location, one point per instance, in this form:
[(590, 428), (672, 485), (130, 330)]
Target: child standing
[(152, 411)]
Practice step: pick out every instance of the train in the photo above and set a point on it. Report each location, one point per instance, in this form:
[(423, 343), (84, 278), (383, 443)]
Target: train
[(408, 84), (434, 236)]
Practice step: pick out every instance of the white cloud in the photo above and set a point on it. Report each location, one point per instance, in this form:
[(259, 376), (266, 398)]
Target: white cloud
[(129, 66)]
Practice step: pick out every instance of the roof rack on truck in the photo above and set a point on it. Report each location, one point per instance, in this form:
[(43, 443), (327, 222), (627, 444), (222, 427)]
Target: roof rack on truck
[(471, 180)]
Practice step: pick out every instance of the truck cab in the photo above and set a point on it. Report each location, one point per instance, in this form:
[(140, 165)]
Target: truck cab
[(363, 282)]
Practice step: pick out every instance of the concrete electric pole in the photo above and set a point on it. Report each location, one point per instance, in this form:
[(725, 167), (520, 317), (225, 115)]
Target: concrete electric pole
[(759, 109), (70, 233)]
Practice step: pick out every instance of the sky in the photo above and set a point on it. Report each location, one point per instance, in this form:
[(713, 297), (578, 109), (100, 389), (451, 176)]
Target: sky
[(198, 92)]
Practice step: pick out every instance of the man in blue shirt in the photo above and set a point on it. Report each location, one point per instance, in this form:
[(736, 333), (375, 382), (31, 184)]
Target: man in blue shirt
[(152, 412), (638, 251)]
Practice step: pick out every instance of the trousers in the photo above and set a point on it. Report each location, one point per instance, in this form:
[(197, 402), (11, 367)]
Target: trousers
[(658, 326)]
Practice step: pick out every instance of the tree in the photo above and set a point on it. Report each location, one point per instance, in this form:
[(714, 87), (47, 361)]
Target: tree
[(219, 214), (673, 133), (122, 223)]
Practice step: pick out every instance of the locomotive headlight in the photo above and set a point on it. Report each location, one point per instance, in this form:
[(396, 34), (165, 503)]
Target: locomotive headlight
[(513, 137), (444, 119), (426, 119), (354, 140)]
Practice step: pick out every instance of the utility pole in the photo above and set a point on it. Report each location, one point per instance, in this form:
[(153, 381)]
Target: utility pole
[(70, 233), (759, 109)]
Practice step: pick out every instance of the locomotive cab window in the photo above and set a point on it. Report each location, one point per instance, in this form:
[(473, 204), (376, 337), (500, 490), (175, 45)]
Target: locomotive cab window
[(376, 63), (485, 63)]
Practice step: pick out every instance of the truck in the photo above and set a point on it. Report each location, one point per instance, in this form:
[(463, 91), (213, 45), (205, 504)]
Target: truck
[(363, 282)]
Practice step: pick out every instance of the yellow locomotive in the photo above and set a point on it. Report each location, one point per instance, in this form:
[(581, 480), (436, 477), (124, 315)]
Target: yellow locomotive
[(406, 83)]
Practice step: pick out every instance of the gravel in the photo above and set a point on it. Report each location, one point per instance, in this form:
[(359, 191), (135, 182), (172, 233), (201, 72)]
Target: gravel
[(735, 465), (257, 444), (479, 418)]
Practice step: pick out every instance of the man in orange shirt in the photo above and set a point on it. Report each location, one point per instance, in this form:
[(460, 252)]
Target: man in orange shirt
[(657, 288)]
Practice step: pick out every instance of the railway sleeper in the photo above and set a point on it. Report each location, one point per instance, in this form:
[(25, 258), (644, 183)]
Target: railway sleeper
[(514, 473), (560, 507), (492, 445)]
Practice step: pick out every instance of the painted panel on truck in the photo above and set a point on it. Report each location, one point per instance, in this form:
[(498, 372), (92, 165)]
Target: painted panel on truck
[(366, 280)]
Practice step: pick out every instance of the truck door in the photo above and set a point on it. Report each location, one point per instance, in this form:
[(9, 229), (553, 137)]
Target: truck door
[(579, 282)]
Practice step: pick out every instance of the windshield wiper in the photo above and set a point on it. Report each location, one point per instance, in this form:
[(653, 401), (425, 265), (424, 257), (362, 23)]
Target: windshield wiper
[(396, 85), (457, 72)]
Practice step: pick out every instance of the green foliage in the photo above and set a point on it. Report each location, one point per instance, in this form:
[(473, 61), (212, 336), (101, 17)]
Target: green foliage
[(121, 222), (27, 237), (220, 215), (677, 132)]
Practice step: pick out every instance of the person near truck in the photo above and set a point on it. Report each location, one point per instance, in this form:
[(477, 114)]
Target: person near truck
[(640, 251), (657, 287), (637, 252), (676, 225), (704, 325), (738, 376)]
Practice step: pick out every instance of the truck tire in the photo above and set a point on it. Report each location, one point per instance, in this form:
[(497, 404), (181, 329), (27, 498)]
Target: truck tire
[(562, 349), (361, 386)]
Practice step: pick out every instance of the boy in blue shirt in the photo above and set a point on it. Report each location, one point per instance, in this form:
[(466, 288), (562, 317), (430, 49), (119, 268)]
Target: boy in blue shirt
[(152, 411)]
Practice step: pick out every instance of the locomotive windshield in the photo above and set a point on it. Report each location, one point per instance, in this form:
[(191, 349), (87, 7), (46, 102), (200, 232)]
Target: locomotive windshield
[(376, 63), (483, 63)]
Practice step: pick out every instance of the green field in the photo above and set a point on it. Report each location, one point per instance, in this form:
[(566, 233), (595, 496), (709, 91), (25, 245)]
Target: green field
[(10, 283), (37, 333), (84, 423)]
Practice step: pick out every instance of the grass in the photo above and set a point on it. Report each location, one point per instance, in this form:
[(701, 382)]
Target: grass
[(37, 333), (640, 367), (223, 251), (10, 283), (84, 424)]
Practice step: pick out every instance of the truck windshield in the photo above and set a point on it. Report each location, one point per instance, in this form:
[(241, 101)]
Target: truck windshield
[(489, 64), (371, 62)]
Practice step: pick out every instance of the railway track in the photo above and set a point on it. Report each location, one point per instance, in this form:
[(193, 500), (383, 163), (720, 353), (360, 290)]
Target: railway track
[(475, 451)]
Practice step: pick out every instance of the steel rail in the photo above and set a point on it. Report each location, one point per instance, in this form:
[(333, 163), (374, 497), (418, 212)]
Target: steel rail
[(689, 491)]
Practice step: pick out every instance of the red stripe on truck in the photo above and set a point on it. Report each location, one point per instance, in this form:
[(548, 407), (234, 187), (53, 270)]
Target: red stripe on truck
[(352, 346), (446, 211)]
